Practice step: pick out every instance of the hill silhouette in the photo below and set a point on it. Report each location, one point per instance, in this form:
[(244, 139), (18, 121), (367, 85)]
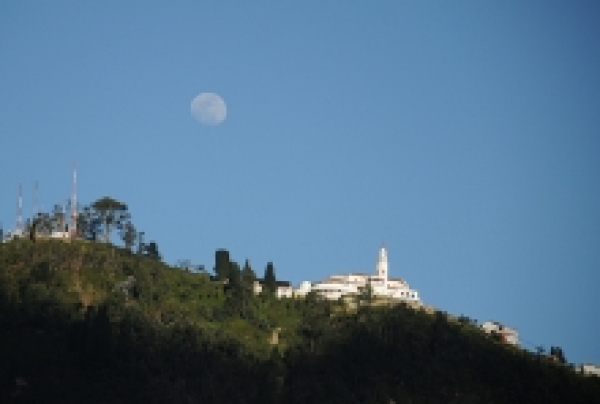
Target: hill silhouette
[(91, 322)]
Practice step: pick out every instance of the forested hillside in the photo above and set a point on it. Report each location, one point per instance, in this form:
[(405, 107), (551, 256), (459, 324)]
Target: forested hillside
[(89, 322)]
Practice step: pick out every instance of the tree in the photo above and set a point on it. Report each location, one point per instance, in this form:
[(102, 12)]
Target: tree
[(558, 353), (540, 350), (151, 250), (140, 238), (235, 277), (43, 223), (465, 320), (87, 227), (94, 229), (269, 280), (222, 264), (58, 218), (110, 213), (89, 224), (33, 230), (248, 276), (235, 301), (315, 313), (129, 235)]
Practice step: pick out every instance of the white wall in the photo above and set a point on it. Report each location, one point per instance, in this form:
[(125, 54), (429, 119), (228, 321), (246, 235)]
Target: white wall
[(590, 369)]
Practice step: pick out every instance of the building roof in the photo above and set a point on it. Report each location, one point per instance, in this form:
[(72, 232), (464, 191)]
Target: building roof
[(279, 284)]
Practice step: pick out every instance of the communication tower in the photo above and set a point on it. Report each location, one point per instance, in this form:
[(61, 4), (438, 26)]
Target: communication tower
[(73, 227), (19, 227), (36, 202)]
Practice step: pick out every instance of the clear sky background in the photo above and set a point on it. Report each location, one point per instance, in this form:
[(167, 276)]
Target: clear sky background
[(463, 135)]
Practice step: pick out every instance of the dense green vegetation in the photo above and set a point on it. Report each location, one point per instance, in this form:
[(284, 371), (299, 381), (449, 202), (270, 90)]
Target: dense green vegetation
[(84, 321)]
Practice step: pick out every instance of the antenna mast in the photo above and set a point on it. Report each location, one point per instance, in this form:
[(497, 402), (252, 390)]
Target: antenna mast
[(36, 202), (19, 228), (73, 226)]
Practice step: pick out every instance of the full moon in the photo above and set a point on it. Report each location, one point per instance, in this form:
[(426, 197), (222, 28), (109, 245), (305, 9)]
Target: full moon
[(209, 109)]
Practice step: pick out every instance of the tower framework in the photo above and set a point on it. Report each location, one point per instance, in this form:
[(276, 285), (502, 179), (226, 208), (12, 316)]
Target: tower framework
[(73, 227), (19, 224), (36, 202)]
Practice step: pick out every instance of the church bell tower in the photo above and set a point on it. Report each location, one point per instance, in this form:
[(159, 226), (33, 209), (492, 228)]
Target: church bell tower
[(382, 264)]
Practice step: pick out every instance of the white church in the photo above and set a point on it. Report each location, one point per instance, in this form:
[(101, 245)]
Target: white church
[(337, 286)]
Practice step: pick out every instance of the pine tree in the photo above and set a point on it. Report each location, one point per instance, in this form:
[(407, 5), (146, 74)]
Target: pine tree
[(129, 235), (222, 264), (269, 280), (248, 276), (235, 276), (152, 250)]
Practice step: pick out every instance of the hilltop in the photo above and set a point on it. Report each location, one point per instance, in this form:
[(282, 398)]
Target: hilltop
[(90, 322)]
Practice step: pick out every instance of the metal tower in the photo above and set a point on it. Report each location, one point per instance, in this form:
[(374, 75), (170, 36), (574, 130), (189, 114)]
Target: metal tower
[(36, 202), (19, 228), (73, 227)]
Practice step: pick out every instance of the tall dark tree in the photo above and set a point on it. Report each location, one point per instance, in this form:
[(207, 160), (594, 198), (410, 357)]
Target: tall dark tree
[(43, 222), (129, 235), (540, 350), (33, 230), (140, 240), (248, 276), (222, 264), (558, 353), (89, 224), (94, 229), (58, 218), (235, 276), (111, 214), (151, 250), (235, 301), (269, 280), (235, 273), (86, 224)]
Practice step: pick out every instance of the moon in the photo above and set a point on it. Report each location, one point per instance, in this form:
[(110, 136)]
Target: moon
[(209, 109)]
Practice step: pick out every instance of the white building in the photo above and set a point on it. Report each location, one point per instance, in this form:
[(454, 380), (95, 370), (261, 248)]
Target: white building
[(506, 334), (589, 369), (11, 235), (337, 286), (60, 234), (284, 289), (303, 290)]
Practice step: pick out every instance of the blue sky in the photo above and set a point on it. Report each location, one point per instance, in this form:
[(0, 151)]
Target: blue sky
[(463, 135)]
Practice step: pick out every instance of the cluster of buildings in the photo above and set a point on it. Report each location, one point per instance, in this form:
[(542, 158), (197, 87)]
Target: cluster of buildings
[(341, 285), (506, 334), (353, 284)]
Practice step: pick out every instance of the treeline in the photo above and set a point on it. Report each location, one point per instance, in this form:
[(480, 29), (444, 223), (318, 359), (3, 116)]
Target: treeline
[(90, 322)]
